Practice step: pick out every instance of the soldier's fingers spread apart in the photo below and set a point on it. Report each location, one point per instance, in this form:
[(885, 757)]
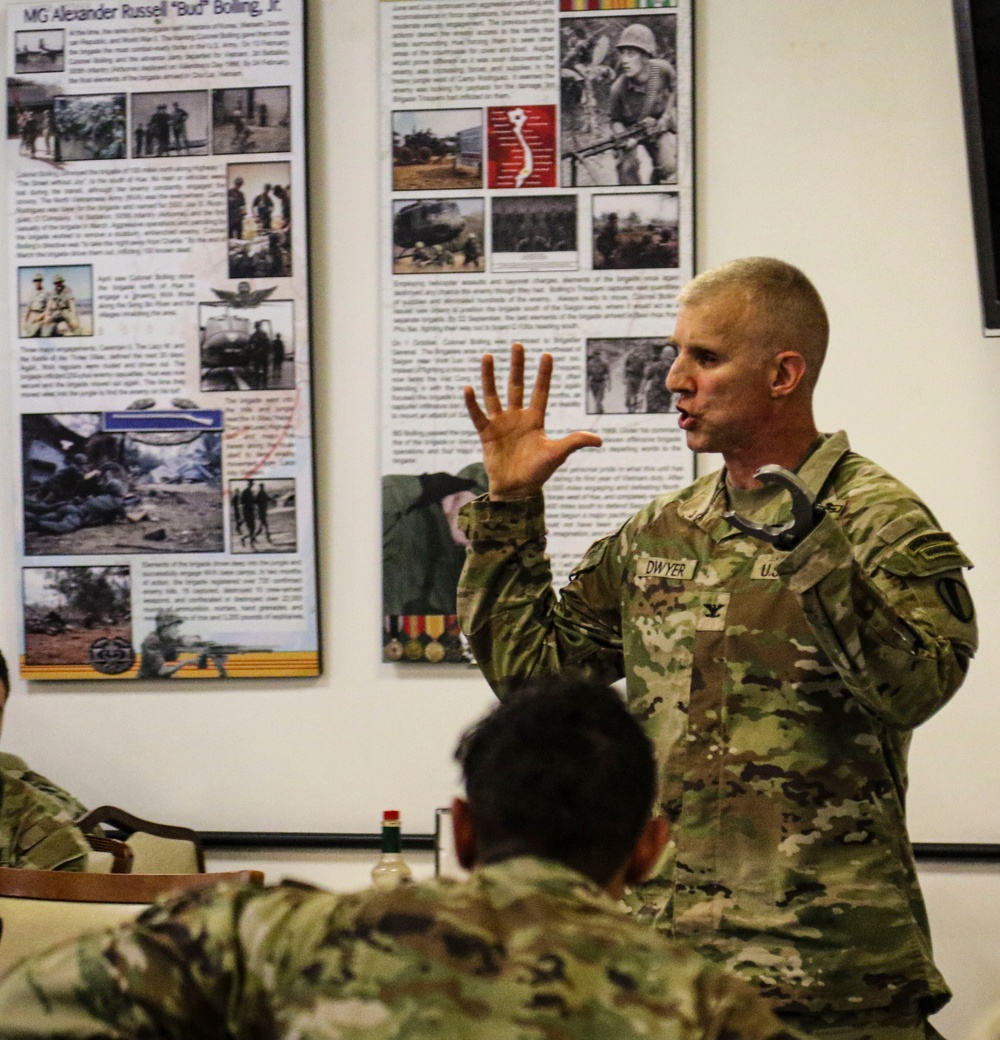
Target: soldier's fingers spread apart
[(515, 380), (490, 397), (476, 414), (540, 394)]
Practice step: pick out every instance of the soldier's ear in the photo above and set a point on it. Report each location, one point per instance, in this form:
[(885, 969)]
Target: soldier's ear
[(788, 372), (464, 830)]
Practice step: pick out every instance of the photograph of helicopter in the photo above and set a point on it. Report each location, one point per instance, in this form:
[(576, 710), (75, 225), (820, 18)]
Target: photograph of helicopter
[(246, 347), (438, 236)]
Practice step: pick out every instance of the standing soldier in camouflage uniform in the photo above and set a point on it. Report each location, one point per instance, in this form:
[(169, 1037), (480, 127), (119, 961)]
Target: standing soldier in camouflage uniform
[(533, 945), (643, 100), (780, 685), (38, 305)]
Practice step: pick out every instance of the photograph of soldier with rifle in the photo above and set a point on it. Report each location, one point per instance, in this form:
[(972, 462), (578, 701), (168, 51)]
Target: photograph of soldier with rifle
[(165, 652), (619, 102)]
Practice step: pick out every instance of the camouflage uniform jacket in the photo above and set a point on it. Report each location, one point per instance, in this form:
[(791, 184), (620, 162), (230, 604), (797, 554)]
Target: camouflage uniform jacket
[(780, 689), (13, 765), (524, 949), (35, 831)]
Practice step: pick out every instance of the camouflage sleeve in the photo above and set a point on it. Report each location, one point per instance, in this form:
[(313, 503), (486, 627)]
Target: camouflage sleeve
[(899, 629), (72, 806), (518, 629), (36, 832), (179, 971)]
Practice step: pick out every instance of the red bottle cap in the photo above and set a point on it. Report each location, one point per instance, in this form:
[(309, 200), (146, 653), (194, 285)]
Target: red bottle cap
[(390, 815)]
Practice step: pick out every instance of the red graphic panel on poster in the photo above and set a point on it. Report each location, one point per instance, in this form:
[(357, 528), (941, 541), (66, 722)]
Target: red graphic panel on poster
[(522, 146)]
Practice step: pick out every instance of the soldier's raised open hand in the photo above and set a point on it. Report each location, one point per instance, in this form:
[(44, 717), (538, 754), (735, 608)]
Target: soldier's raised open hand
[(518, 455)]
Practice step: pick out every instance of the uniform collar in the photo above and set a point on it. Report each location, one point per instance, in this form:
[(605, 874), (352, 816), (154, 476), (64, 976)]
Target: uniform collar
[(529, 873), (707, 504)]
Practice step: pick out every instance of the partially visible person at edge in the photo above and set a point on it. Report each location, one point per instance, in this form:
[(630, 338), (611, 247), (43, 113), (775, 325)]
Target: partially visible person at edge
[(36, 815), (779, 685), (559, 782)]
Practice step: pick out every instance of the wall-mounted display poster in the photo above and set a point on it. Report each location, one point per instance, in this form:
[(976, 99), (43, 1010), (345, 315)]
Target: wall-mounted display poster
[(537, 186), (159, 318)]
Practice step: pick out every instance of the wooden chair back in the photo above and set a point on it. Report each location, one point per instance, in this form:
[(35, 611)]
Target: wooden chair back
[(159, 848), (108, 855), (39, 908)]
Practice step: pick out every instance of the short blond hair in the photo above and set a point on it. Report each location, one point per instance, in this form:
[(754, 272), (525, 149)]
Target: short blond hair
[(781, 306)]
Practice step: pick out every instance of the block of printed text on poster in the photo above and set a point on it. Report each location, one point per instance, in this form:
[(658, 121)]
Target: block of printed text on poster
[(537, 187), (155, 159)]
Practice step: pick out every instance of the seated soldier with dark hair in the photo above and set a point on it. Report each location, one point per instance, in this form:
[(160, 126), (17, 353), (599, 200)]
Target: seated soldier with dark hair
[(36, 815), (560, 781)]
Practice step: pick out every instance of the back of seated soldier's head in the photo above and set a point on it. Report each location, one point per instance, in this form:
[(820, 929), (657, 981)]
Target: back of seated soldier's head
[(562, 771)]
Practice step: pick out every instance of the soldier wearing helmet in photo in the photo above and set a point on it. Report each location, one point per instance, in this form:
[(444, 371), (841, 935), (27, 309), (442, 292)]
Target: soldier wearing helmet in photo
[(643, 102), (38, 304), (60, 315), (161, 648)]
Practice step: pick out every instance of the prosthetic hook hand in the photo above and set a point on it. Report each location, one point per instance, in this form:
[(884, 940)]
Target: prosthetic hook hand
[(805, 515)]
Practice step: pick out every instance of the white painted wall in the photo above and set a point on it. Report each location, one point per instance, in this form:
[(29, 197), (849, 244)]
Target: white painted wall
[(830, 134)]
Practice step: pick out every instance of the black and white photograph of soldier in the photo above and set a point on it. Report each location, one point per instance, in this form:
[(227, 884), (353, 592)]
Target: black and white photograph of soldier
[(39, 50), (247, 348), (90, 126), (259, 215), (72, 614), (55, 301), (438, 236), (251, 119), (619, 104), (169, 124), (629, 375), (437, 149), (533, 232), (637, 230), (88, 491), (423, 547), (262, 516), (31, 120)]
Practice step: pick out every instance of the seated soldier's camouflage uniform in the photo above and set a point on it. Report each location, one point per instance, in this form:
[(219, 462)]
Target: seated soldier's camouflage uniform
[(36, 831), (14, 765), (525, 948)]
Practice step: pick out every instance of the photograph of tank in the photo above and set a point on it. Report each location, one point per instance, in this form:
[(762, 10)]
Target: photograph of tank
[(39, 50), (89, 126), (262, 516), (259, 217), (438, 236), (78, 615), (618, 88), (251, 119), (88, 491), (169, 124), (629, 375), (247, 348), (637, 230), (438, 149), (55, 301)]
